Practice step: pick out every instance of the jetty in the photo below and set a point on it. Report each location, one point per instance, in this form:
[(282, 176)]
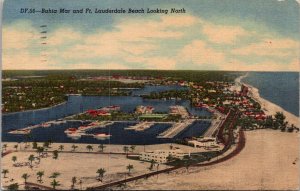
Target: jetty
[(142, 126), (176, 129)]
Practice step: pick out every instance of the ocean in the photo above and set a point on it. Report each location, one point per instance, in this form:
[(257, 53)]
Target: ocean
[(281, 88)]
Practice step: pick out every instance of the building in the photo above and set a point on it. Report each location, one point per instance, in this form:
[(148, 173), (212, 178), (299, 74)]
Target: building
[(179, 110), (144, 109), (161, 156), (204, 142), (244, 90)]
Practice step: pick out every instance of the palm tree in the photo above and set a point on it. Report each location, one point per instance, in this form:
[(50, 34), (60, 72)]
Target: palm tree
[(74, 147), (4, 147), (169, 158), (101, 173), (55, 154), (54, 183), (129, 168), (4, 172), (61, 147), (101, 147), (25, 176), (54, 175), (34, 145), (125, 149), (14, 186), (40, 174), (40, 150), (80, 183), (16, 147), (152, 162), (14, 159), (31, 158), (74, 180), (132, 148), (89, 148), (46, 144)]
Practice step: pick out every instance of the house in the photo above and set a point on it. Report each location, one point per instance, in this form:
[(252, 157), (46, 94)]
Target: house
[(161, 156)]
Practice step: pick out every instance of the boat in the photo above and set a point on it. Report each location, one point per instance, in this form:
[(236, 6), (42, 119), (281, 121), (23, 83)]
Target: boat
[(102, 136), (70, 130), (45, 125), (74, 135)]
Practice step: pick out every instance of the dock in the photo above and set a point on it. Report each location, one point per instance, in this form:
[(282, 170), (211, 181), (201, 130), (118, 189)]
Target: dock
[(176, 129), (142, 126)]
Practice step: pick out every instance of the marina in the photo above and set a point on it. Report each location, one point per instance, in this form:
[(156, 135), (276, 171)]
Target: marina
[(176, 129), (140, 126)]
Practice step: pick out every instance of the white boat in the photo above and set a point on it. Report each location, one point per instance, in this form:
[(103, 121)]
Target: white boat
[(74, 135), (102, 136)]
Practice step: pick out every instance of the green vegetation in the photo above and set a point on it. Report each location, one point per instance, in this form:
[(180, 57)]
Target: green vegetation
[(101, 173), (27, 92), (4, 172)]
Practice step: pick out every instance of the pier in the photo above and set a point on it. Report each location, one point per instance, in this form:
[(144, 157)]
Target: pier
[(176, 129), (140, 126)]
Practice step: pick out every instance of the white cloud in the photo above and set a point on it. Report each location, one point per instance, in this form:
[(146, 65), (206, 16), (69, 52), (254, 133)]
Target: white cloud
[(270, 47), (199, 53), (165, 42), (223, 34)]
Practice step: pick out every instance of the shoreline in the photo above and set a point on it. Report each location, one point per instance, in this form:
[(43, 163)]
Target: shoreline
[(268, 107), (31, 110)]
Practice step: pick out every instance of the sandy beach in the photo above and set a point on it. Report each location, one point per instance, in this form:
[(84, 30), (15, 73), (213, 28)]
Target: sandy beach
[(266, 163), (82, 165), (269, 107)]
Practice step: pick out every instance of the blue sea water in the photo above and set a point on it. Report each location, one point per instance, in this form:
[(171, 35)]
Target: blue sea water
[(280, 88)]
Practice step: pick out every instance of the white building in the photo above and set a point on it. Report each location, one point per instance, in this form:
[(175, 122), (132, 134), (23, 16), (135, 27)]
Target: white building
[(161, 156), (204, 142)]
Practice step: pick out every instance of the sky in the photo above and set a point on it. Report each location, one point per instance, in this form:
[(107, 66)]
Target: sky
[(235, 35)]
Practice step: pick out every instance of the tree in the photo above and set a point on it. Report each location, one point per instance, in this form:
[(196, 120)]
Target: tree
[(31, 159), (74, 180), (169, 158), (4, 147), (46, 144), (152, 162), (25, 176), (4, 172), (14, 159), (54, 175), (74, 147), (14, 186), (187, 162), (279, 120), (40, 150), (16, 147), (125, 149), (101, 172), (101, 147), (129, 168), (34, 145), (61, 147), (132, 148), (89, 148), (54, 183), (80, 183), (269, 122), (40, 174), (55, 154)]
